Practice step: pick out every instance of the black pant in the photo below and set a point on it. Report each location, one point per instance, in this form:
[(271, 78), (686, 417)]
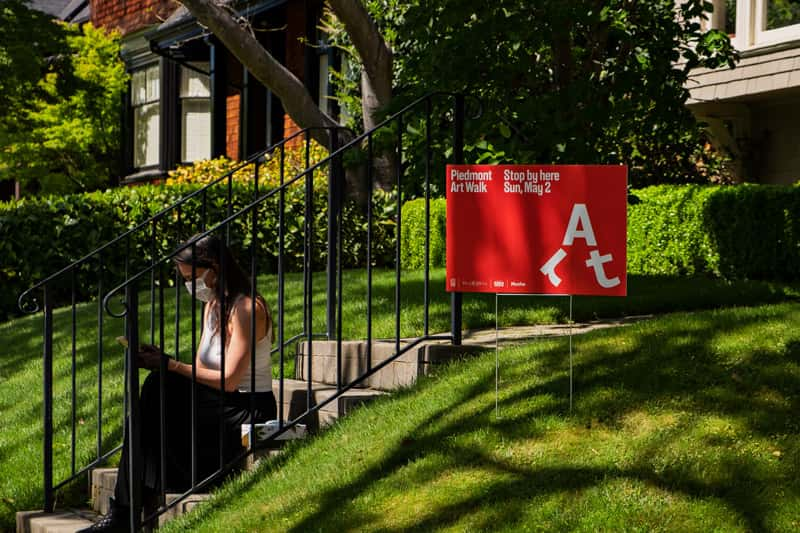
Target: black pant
[(230, 414)]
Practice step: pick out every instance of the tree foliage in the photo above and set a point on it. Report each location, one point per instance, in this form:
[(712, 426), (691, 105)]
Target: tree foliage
[(565, 82), (28, 38), (61, 132)]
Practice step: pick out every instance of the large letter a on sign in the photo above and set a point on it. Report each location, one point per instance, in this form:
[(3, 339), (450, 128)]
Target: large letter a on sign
[(579, 215)]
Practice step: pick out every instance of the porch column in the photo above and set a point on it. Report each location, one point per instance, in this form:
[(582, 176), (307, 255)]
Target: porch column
[(219, 92)]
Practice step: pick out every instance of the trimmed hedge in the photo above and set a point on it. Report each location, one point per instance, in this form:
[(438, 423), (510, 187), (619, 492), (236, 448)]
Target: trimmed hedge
[(39, 236), (412, 242), (742, 231)]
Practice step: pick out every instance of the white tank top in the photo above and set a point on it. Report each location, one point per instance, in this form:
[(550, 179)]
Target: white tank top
[(210, 355)]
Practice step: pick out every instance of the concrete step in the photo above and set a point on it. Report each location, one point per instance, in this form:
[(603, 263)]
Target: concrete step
[(103, 480), (101, 487), (67, 521), (295, 401), (189, 503), (402, 372)]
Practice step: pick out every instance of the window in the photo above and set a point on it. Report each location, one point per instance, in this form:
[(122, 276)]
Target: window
[(782, 13), (324, 100), (776, 21), (729, 17), (195, 95), (145, 95)]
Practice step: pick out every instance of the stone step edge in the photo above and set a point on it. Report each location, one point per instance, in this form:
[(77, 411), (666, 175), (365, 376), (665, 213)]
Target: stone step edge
[(106, 478), (59, 521), (68, 520)]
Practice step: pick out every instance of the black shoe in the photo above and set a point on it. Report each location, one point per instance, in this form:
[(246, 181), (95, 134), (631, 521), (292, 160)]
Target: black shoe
[(117, 520)]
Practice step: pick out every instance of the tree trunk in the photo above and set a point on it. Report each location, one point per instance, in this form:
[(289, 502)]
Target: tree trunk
[(376, 75)]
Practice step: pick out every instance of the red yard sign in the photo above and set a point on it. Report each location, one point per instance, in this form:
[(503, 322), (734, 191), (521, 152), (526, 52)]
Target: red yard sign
[(537, 229)]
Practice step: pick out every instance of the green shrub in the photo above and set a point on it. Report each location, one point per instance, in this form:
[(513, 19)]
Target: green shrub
[(412, 242), (39, 236), (743, 231)]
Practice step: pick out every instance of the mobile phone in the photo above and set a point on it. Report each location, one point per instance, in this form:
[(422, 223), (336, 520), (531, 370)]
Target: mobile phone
[(123, 341)]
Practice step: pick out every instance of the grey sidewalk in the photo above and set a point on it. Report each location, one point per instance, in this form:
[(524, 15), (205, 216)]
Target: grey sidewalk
[(519, 334)]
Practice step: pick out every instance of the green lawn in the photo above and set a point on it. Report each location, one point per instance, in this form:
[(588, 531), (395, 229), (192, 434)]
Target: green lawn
[(688, 422), (21, 365)]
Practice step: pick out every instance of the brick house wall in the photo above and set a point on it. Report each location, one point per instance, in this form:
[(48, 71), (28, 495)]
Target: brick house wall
[(130, 15), (232, 103), (295, 56)]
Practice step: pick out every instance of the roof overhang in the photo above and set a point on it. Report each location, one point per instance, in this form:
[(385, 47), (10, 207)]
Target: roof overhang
[(176, 37)]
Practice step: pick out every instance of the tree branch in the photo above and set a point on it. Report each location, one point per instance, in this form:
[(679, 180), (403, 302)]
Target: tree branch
[(294, 96)]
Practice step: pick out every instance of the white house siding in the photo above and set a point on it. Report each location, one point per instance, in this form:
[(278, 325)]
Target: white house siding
[(753, 110)]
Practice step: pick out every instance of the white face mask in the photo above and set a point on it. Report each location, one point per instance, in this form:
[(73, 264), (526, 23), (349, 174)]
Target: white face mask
[(203, 292)]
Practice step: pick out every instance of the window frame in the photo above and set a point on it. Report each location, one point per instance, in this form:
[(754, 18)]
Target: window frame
[(181, 109), (764, 36), (138, 105), (751, 32)]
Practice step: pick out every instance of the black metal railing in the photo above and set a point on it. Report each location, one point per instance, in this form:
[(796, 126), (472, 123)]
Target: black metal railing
[(154, 270)]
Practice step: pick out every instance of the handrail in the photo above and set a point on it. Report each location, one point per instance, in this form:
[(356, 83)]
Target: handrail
[(267, 195), (158, 257), (160, 214)]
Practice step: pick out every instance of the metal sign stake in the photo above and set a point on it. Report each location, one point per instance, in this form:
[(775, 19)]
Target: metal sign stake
[(496, 360), (497, 352)]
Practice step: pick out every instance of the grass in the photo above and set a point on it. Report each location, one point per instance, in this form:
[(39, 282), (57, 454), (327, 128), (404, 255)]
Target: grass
[(21, 360), (687, 422)]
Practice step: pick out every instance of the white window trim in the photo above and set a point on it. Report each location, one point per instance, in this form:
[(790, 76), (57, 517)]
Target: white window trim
[(751, 19), (150, 157), (186, 153)]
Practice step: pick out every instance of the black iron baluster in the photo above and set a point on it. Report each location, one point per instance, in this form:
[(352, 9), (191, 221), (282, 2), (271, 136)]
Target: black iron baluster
[(100, 355), (426, 288), (458, 158), (178, 285), (339, 209), (307, 272), (47, 375), (73, 398), (125, 325), (399, 169), (253, 299), (222, 325), (369, 251), (193, 351), (153, 283), (309, 276), (306, 326), (162, 386), (281, 266), (332, 244), (132, 379)]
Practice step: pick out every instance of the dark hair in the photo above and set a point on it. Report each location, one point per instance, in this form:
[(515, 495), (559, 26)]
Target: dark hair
[(211, 252)]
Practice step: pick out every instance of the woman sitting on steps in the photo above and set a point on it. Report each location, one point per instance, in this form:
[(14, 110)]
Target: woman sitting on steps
[(210, 261)]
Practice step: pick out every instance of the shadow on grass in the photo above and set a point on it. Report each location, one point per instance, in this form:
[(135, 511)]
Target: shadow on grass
[(675, 362), (662, 365)]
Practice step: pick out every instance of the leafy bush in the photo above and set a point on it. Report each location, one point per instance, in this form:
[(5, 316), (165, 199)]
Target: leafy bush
[(39, 236), (744, 231), (294, 162), (412, 243)]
